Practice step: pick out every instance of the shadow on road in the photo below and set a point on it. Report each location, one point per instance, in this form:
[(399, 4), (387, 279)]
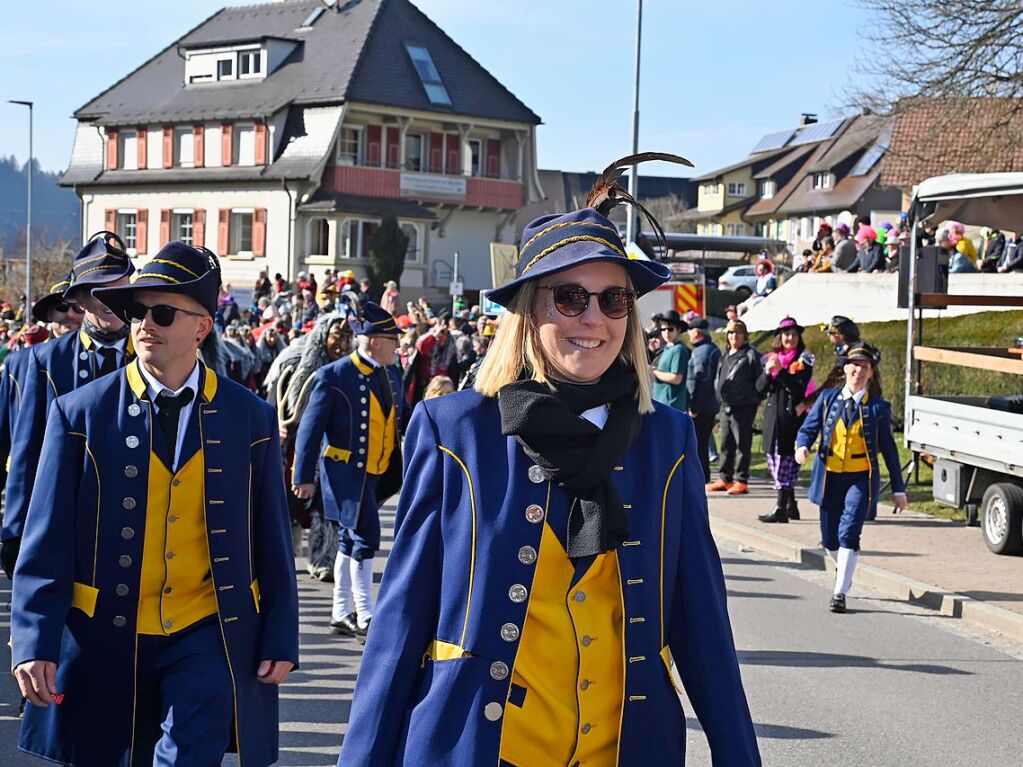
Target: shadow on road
[(805, 659)]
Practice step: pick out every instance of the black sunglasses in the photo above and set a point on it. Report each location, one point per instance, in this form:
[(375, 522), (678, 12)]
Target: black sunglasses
[(163, 315), (68, 306), (572, 300)]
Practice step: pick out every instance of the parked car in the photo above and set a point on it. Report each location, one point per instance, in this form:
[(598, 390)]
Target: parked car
[(743, 279)]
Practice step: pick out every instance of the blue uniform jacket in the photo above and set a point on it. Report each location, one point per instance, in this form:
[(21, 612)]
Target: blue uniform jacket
[(75, 598), (337, 414), (461, 523), (12, 377), (877, 433), (701, 379), (55, 368)]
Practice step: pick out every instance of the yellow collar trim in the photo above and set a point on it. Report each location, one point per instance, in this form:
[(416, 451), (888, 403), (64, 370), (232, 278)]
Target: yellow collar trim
[(88, 343), (360, 364), (137, 382)]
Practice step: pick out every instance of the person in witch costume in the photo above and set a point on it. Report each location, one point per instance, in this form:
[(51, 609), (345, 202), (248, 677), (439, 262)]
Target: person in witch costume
[(101, 346), (154, 608), (854, 423), (552, 562)]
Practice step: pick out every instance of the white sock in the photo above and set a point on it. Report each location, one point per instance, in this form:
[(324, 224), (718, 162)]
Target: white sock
[(833, 553), (362, 590), (846, 567), (296, 539), (342, 587)]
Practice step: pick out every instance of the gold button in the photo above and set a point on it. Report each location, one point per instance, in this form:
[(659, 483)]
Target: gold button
[(534, 513)]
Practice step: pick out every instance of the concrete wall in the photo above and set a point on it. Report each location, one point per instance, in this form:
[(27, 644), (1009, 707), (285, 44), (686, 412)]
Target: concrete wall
[(815, 298)]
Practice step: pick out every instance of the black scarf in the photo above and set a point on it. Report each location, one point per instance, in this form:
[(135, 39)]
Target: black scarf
[(105, 337), (575, 452)]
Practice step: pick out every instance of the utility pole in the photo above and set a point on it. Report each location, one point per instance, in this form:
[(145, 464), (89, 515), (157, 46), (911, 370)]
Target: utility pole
[(28, 223), (630, 228)]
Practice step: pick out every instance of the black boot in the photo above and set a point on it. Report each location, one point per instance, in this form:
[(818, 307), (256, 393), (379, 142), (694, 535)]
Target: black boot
[(793, 507), (780, 514)]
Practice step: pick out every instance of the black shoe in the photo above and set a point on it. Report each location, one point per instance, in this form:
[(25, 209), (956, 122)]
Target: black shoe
[(346, 627), (837, 603), (360, 633), (779, 514), (793, 508)]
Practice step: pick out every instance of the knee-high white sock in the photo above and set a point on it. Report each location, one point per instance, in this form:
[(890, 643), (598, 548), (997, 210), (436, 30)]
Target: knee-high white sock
[(833, 553), (362, 589), (847, 559), (342, 587)]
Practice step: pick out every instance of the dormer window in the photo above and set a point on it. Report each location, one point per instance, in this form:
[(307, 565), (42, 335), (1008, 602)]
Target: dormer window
[(822, 180), (767, 189), (225, 69), (250, 64), (429, 75)]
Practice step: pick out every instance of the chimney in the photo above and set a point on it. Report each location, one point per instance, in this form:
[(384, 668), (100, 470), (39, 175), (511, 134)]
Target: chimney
[(807, 118)]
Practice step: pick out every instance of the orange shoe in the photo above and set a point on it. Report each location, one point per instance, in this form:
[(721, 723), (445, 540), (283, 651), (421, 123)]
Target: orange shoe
[(738, 488), (718, 485)]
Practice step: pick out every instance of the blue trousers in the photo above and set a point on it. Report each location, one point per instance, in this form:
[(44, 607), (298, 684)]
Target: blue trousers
[(362, 541), (185, 704), (843, 509)]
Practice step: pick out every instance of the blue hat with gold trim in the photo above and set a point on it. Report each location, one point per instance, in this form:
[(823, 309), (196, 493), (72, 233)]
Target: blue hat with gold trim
[(177, 268), (374, 321), (103, 259), (42, 307), (860, 351), (560, 241)]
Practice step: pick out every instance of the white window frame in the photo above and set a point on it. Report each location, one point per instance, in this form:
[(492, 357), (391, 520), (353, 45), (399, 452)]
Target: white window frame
[(313, 239), (232, 231), (129, 140), (768, 189), (360, 145), (417, 251), (130, 240), (736, 230), (252, 56), (822, 181), (184, 135), (176, 228), (233, 61), (736, 188), (422, 152), (239, 130)]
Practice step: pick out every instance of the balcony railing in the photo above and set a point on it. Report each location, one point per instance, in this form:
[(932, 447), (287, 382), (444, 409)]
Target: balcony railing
[(431, 188)]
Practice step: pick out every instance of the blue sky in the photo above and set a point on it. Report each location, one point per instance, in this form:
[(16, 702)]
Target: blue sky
[(716, 74)]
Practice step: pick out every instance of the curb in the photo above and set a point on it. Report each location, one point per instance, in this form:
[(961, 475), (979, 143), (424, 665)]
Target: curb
[(947, 603)]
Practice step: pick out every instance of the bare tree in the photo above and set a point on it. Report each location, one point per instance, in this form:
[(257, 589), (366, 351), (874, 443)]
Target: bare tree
[(51, 261), (959, 64), (668, 212)]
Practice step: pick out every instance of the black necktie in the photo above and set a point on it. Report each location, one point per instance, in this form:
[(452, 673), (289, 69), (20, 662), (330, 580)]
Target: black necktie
[(109, 363), (168, 409), (386, 395), (850, 411)]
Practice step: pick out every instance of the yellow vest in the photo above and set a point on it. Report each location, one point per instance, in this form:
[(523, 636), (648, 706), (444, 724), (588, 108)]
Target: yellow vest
[(570, 665), (383, 431), (848, 449), (176, 588)]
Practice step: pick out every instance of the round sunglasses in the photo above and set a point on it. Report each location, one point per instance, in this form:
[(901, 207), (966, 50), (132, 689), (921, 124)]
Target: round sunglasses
[(571, 300), (163, 315), (68, 306)]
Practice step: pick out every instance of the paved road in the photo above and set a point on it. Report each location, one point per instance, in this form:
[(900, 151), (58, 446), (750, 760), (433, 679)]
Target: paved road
[(884, 684)]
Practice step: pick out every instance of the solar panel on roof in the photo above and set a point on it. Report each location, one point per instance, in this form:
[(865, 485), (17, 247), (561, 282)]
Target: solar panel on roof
[(773, 141), (817, 132), (868, 160)]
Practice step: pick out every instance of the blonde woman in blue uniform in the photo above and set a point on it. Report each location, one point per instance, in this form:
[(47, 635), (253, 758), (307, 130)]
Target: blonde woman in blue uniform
[(553, 556), (154, 609), (854, 423)]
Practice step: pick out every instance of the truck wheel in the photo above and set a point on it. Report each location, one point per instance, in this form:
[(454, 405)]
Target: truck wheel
[(743, 292), (1003, 518)]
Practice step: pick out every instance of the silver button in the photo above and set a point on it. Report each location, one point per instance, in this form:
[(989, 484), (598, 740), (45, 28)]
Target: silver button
[(134, 409), (534, 513), (358, 465), (493, 711), (172, 518), (362, 426), (131, 441), (168, 624), (170, 555), (83, 373), (498, 670), (527, 555), (509, 632), (536, 474), (364, 414), (584, 684), (121, 590), (83, 356), (586, 728), (517, 593), (167, 590), (362, 438), (127, 533), (362, 451), (124, 560), (131, 472), (586, 640), (175, 482), (128, 503), (120, 620), (362, 400), (362, 388), (579, 596)]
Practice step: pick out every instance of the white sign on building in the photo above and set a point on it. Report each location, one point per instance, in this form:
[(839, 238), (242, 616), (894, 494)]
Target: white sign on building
[(432, 185)]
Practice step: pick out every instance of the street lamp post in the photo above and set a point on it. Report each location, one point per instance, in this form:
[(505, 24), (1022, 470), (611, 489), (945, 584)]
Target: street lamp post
[(28, 218)]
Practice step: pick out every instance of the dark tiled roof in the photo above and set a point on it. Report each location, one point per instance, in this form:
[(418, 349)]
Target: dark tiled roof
[(355, 55), (180, 176), (771, 205), (861, 133), (372, 206), (695, 215), (843, 196), (796, 155), (757, 161), (935, 137)]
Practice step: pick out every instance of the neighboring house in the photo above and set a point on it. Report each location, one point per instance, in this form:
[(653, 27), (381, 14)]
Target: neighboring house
[(279, 135), (797, 178)]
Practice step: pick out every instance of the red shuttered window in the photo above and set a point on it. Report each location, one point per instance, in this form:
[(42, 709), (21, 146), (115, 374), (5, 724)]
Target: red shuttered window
[(260, 143), (373, 145), (199, 137), (168, 146), (165, 221), (226, 145), (141, 231), (259, 233), (112, 151), (223, 229), (143, 134), (199, 227)]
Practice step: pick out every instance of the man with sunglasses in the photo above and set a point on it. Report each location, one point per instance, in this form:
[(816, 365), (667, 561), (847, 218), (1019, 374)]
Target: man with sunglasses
[(155, 609), (99, 347), (348, 436)]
